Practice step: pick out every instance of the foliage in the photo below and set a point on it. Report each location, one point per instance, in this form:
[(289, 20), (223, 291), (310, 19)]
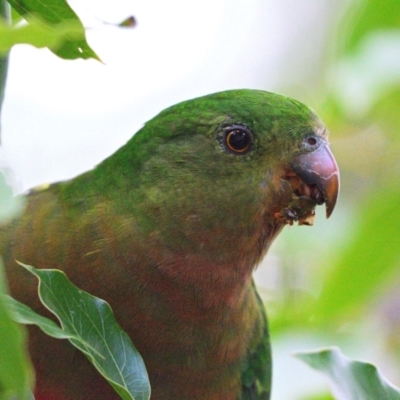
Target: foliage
[(360, 268), (350, 379), (352, 273), (9, 206), (366, 252), (90, 326), (51, 24), (16, 373)]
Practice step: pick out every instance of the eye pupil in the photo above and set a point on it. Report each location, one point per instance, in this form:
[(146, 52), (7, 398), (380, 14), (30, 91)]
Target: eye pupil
[(312, 141), (238, 141)]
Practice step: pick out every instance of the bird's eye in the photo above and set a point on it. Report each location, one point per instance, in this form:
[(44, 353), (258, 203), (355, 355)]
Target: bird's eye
[(238, 141), (312, 141)]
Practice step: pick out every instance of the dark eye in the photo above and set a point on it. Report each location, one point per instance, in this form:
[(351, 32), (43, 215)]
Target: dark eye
[(238, 141), (312, 141)]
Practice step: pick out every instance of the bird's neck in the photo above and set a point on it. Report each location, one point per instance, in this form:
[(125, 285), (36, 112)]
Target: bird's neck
[(211, 277), (202, 286)]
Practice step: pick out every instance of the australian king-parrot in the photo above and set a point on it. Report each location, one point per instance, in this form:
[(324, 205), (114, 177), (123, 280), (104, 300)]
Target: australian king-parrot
[(169, 230)]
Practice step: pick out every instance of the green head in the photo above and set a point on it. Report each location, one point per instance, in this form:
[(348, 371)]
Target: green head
[(214, 174)]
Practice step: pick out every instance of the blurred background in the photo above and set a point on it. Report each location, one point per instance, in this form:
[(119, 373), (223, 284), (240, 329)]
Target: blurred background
[(336, 283)]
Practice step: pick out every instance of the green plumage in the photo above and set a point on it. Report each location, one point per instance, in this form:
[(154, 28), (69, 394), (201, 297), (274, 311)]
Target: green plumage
[(169, 230)]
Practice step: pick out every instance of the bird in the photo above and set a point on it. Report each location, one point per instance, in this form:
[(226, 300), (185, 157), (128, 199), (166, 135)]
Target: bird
[(168, 230)]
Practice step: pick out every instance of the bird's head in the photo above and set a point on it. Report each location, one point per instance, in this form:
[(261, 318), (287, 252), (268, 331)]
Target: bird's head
[(232, 167)]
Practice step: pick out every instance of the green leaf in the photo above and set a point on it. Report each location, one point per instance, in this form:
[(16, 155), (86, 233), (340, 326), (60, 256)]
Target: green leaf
[(23, 314), (350, 379), (53, 14), (15, 17), (81, 314), (16, 373), (37, 34)]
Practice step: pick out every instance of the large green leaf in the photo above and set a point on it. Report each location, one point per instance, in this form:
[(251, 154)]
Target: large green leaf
[(16, 373), (110, 349), (349, 379), (55, 15)]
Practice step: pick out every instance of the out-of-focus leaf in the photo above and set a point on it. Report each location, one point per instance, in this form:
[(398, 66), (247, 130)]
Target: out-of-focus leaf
[(349, 379), (319, 397), (15, 17), (369, 16), (386, 112), (16, 373), (368, 261), (111, 350), (9, 205), (52, 13)]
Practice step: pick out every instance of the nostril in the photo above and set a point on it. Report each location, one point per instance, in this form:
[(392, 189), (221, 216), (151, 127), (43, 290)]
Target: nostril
[(312, 141)]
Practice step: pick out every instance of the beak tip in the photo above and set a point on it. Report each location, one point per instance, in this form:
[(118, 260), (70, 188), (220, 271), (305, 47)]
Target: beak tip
[(330, 206), (332, 194)]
